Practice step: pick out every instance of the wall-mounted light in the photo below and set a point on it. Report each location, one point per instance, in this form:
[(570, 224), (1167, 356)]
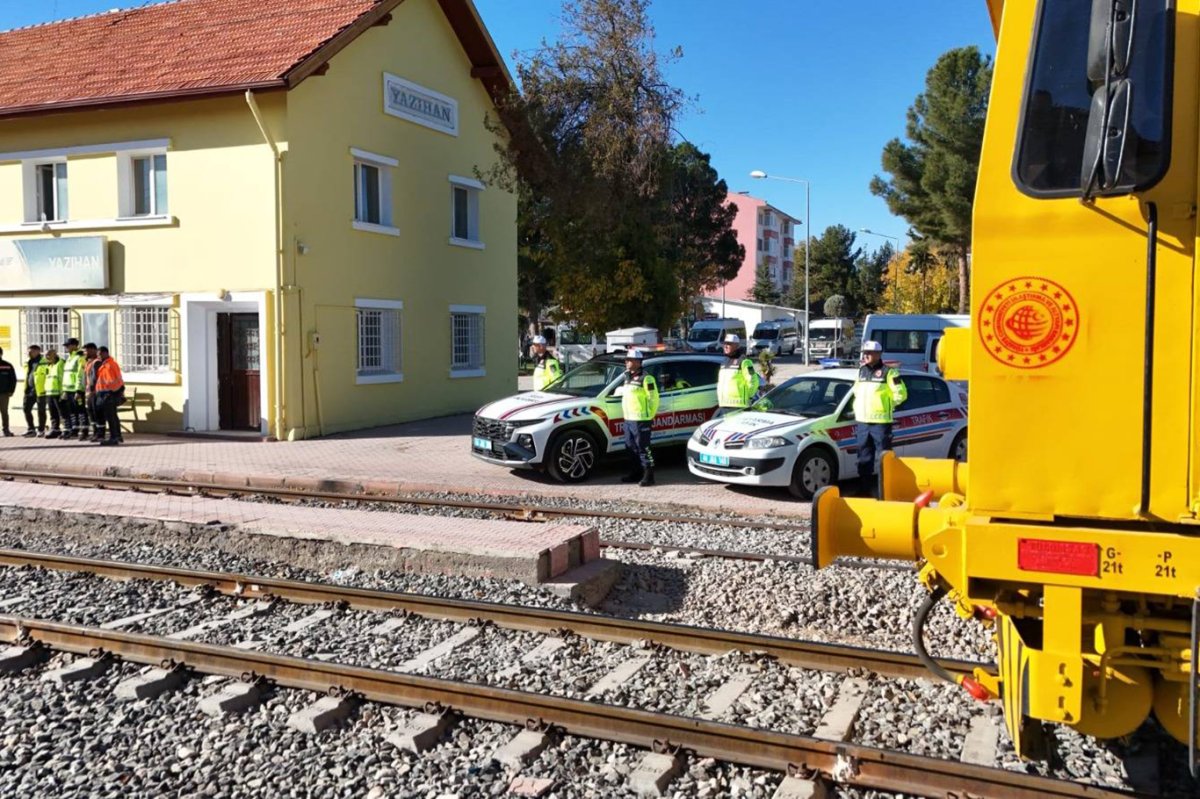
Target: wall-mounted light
[(225, 295), (302, 248)]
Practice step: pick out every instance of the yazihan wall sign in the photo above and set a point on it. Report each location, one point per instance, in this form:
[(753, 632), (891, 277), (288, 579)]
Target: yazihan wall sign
[(407, 100)]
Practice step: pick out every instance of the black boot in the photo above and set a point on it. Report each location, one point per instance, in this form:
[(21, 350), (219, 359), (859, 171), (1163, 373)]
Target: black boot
[(866, 486), (632, 477), (647, 477)]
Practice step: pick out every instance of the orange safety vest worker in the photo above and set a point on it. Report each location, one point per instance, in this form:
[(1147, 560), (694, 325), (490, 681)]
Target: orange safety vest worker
[(109, 377)]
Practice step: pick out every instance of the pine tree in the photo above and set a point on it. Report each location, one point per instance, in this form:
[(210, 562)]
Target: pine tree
[(932, 178), (764, 290)]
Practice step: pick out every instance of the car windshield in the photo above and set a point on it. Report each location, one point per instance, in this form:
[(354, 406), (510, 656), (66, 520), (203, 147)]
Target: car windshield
[(817, 334), (588, 379), (806, 396), (704, 334), (766, 332)]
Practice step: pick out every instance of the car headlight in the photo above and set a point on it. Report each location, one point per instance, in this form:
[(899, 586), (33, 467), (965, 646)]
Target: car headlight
[(697, 433), (770, 442)]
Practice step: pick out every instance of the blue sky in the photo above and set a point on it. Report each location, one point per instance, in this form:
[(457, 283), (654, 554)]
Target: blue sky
[(802, 88)]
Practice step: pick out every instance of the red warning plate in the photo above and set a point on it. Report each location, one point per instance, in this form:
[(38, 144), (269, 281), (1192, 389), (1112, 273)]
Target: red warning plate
[(1058, 557)]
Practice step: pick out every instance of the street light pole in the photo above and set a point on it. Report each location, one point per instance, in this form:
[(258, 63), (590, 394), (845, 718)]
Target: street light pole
[(758, 174), (896, 283)]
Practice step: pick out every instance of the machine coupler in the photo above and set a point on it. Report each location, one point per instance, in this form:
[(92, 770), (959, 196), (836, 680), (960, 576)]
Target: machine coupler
[(905, 479), (862, 528)]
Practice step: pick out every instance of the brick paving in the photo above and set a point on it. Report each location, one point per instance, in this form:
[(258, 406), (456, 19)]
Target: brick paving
[(534, 552), (431, 455)]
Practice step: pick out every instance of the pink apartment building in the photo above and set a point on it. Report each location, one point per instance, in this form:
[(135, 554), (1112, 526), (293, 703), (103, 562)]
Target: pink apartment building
[(768, 235)]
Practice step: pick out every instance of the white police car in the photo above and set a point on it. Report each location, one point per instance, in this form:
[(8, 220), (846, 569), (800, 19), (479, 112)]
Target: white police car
[(570, 425), (801, 434)]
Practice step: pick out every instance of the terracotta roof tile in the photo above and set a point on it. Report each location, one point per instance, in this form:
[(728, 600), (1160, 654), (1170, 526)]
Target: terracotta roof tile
[(182, 47)]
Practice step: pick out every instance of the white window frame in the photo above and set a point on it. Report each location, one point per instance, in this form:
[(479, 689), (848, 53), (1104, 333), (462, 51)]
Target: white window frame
[(126, 199), (165, 374), (396, 306), (32, 190), (473, 188), (470, 370), (62, 325), (385, 164)]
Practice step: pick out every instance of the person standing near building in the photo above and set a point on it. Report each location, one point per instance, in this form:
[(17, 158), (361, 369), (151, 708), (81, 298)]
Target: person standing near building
[(92, 415), (639, 403), (737, 382), (110, 393), (546, 367), (34, 391), (52, 366), (72, 388), (877, 392), (8, 387)]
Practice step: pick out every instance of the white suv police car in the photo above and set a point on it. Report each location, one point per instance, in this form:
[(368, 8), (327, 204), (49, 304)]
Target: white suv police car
[(566, 428), (802, 434)]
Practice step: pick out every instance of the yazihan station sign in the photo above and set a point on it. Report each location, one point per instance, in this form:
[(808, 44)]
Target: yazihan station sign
[(407, 100), (56, 264)]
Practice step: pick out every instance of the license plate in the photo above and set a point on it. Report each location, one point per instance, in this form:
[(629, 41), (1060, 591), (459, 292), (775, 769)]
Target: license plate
[(714, 460), (481, 443)]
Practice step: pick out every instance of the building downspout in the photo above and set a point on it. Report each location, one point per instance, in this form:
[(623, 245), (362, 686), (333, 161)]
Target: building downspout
[(280, 352)]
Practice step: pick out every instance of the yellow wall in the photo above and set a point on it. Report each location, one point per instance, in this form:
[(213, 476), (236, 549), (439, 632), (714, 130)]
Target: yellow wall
[(221, 196), (328, 115)]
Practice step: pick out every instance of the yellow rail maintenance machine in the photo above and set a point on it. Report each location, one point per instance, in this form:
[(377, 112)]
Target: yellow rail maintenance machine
[(1076, 528)]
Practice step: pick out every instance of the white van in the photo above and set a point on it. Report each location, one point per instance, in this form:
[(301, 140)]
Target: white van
[(832, 338), (628, 338), (911, 340), (779, 336), (574, 346), (708, 335)]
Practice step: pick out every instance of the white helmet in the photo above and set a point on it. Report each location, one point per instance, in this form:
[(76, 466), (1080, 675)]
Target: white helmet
[(733, 338), (872, 346), (538, 340), (634, 355)]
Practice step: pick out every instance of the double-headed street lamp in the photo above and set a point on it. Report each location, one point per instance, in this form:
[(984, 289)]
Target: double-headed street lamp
[(896, 283), (758, 174)]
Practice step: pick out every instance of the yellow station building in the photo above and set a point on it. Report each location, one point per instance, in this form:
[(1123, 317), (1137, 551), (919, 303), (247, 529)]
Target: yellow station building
[(270, 210)]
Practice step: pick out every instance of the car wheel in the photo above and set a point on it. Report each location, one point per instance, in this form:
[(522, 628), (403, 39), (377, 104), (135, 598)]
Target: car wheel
[(572, 456), (958, 450), (813, 471)]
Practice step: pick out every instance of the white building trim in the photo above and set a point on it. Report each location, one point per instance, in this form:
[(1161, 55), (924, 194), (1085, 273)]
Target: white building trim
[(58, 153)]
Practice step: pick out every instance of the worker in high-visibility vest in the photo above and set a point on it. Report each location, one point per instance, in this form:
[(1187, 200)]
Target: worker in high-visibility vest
[(639, 404), (877, 392), (737, 382), (547, 369), (70, 403), (110, 393), (51, 371), (35, 394)]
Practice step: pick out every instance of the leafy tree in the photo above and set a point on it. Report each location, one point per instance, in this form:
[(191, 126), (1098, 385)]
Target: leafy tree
[(921, 282), (627, 226), (764, 290), (835, 305), (932, 178)]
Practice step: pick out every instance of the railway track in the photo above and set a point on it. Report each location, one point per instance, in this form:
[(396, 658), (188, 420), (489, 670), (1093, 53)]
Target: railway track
[(509, 510), (852, 764), (805, 654)]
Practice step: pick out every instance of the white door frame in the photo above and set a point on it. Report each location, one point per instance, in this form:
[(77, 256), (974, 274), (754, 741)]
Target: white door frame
[(198, 313)]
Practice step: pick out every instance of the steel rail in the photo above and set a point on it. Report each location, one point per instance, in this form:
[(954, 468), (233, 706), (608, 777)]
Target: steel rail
[(528, 511), (704, 640), (859, 765)]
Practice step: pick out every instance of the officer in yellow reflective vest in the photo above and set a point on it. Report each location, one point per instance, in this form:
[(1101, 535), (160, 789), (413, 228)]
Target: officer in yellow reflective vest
[(546, 368), (70, 404), (737, 382), (877, 392), (639, 404)]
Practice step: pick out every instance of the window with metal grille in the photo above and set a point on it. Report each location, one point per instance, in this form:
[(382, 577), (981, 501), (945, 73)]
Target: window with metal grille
[(378, 342), (466, 337), (46, 327), (145, 339)]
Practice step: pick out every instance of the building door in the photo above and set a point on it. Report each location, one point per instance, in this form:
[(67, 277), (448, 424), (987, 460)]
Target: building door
[(238, 371)]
